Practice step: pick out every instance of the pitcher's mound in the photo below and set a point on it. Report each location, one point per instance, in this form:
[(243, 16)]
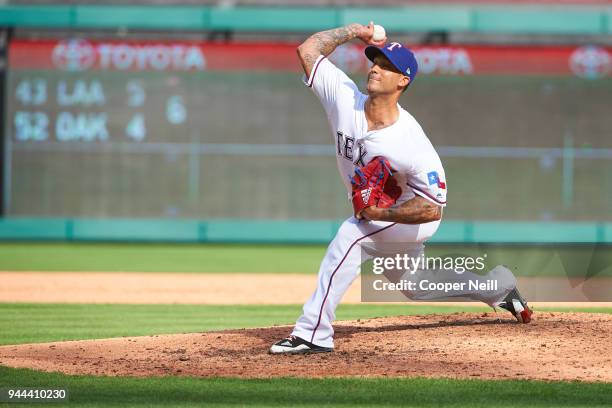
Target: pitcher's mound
[(555, 346)]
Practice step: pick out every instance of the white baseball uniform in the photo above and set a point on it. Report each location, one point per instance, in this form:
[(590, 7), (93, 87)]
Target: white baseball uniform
[(418, 171)]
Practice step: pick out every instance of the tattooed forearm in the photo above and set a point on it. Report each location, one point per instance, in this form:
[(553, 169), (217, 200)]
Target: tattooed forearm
[(415, 211), (324, 43)]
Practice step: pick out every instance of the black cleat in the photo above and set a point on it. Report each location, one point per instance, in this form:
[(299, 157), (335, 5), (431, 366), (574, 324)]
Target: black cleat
[(296, 345), (517, 305)]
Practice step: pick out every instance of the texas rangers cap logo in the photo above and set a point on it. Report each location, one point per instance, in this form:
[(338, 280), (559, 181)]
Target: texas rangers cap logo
[(401, 57)]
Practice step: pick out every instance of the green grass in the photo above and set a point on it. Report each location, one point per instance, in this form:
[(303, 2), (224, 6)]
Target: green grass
[(31, 323), (525, 260), (87, 391), (24, 323), (35, 323), (160, 257)]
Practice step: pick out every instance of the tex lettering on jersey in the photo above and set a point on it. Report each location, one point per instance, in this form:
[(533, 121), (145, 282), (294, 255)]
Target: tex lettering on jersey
[(348, 149)]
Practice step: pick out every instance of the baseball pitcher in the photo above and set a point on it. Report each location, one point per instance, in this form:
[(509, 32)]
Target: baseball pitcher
[(393, 175)]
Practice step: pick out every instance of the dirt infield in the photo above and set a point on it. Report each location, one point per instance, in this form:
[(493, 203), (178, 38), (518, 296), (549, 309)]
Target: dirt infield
[(555, 346), (159, 288)]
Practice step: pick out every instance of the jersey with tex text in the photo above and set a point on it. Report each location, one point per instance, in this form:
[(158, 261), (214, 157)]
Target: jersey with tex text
[(417, 166)]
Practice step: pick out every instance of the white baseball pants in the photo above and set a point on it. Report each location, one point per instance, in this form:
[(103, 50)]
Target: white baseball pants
[(341, 266)]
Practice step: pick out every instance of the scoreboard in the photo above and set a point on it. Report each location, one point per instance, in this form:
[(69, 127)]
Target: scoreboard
[(67, 110), (79, 90), (146, 128), (84, 91), (132, 128)]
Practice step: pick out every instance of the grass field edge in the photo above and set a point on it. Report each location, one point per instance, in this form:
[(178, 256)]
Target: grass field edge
[(284, 391)]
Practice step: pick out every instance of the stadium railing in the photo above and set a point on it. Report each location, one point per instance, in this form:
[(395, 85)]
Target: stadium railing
[(521, 18), (284, 231)]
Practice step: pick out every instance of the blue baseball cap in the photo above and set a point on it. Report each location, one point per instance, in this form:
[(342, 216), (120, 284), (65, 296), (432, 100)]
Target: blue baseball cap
[(401, 57)]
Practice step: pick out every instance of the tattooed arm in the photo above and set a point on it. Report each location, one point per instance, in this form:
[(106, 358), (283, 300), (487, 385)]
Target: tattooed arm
[(415, 211), (325, 42)]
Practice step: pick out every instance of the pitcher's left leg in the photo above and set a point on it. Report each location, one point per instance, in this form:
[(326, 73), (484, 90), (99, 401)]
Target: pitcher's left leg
[(338, 270), (341, 265)]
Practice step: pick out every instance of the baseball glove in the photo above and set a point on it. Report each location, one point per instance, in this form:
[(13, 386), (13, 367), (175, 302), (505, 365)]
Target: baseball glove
[(373, 185)]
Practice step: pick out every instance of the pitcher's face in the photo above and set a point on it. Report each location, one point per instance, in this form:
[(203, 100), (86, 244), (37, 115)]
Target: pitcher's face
[(385, 78)]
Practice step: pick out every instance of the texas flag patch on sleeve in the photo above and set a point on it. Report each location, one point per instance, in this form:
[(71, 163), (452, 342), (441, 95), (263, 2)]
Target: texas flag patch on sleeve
[(434, 179), (430, 185)]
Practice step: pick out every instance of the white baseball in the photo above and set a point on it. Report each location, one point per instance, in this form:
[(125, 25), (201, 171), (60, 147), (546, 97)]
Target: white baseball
[(379, 33)]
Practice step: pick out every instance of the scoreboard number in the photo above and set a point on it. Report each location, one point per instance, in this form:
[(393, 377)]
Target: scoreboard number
[(176, 113), (31, 126), (136, 93), (136, 129), (31, 92)]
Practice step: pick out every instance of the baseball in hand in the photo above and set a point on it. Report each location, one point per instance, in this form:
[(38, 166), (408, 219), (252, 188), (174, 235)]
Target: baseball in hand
[(379, 33)]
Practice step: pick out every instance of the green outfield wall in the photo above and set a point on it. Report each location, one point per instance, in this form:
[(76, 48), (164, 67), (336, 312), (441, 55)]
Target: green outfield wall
[(413, 18), (276, 231)]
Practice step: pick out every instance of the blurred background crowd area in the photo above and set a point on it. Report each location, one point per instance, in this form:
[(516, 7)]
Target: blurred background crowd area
[(196, 109)]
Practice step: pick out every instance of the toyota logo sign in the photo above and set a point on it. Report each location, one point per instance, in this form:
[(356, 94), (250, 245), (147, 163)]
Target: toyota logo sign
[(74, 55), (590, 62)]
